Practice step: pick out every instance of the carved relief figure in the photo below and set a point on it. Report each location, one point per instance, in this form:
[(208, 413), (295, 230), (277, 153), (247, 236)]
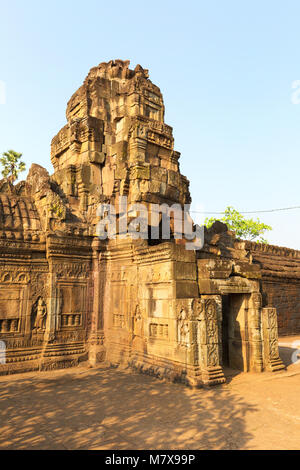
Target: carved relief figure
[(256, 300), (183, 328), (211, 319), (137, 322), (39, 315)]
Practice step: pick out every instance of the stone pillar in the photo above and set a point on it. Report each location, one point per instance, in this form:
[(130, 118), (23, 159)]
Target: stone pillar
[(28, 311), (209, 339), (272, 361), (254, 333), (52, 304), (96, 349), (186, 338)]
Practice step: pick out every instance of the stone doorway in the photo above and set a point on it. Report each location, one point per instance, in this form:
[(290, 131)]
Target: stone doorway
[(235, 340)]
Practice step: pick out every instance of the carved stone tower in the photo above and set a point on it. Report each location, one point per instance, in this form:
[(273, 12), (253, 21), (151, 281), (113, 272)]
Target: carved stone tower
[(67, 296)]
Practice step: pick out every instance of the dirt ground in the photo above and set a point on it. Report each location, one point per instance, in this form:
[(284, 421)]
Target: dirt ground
[(111, 409)]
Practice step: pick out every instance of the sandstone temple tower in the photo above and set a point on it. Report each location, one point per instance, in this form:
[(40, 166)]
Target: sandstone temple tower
[(67, 296)]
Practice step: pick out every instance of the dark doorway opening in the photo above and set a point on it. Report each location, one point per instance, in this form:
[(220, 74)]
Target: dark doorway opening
[(235, 345)]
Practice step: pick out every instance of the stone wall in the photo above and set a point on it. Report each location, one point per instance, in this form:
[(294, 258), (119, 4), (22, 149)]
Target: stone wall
[(280, 268)]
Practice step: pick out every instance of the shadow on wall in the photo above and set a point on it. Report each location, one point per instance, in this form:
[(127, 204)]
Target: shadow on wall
[(114, 409)]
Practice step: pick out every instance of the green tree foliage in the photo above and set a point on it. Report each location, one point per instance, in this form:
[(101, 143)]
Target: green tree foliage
[(246, 229), (12, 165)]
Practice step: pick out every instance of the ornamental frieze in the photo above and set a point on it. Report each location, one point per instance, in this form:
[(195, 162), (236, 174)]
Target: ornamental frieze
[(68, 270)]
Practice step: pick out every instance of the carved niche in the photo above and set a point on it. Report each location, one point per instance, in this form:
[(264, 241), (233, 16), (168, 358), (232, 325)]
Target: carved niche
[(11, 301), (71, 304)]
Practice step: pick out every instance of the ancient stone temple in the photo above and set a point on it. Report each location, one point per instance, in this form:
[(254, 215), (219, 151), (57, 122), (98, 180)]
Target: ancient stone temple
[(69, 296)]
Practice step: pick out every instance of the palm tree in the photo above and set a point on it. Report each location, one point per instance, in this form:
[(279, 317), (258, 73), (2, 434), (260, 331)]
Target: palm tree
[(12, 165)]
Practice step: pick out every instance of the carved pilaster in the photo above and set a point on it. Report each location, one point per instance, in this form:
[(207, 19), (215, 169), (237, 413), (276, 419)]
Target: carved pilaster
[(209, 324), (272, 361), (254, 332), (51, 307), (96, 350)]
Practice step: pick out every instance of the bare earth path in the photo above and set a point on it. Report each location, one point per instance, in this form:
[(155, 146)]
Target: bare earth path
[(111, 409)]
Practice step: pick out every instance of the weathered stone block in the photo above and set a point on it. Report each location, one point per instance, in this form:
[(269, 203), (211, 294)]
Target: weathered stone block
[(159, 174), (140, 172)]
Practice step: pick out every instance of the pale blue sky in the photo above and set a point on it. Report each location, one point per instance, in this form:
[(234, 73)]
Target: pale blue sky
[(225, 70)]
